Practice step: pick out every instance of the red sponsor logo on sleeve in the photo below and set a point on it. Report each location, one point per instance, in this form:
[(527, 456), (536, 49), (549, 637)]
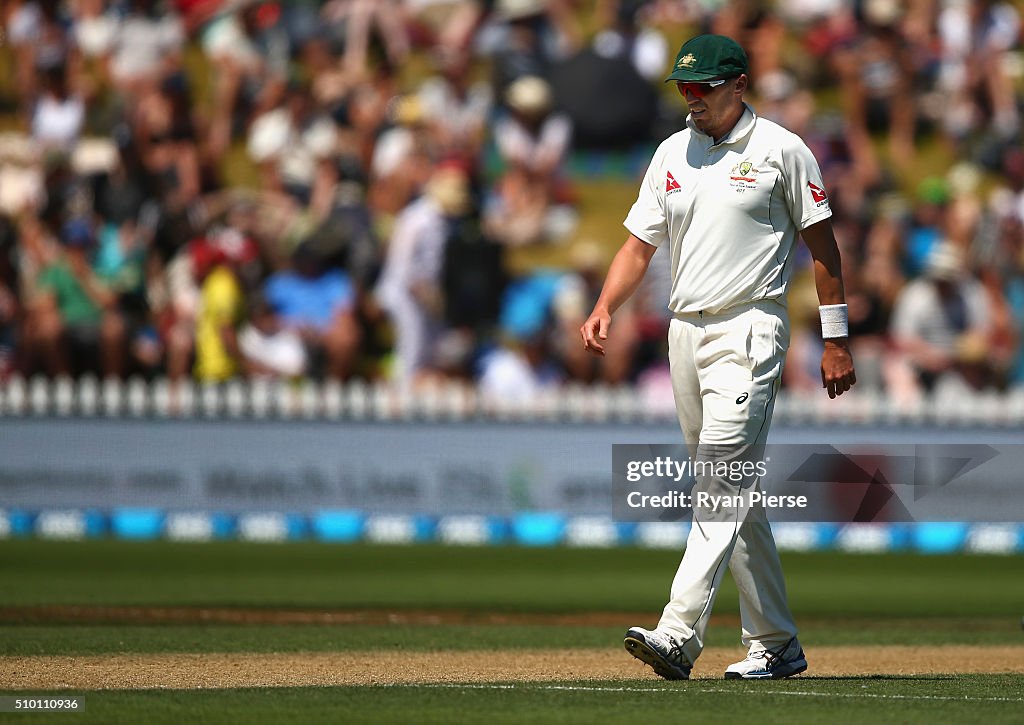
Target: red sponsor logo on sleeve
[(670, 182), (817, 193)]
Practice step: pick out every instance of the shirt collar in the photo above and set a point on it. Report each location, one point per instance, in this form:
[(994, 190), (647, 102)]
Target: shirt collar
[(742, 128)]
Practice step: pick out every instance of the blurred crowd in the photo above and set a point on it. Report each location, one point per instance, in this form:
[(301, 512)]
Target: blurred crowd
[(213, 189)]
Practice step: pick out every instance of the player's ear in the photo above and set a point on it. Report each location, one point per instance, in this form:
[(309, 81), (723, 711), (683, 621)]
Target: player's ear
[(742, 82)]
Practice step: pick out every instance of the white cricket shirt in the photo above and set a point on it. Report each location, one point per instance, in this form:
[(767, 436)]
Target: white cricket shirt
[(730, 211)]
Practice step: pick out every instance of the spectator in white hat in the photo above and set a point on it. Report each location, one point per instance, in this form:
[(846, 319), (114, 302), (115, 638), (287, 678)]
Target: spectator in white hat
[(533, 142), (940, 322)]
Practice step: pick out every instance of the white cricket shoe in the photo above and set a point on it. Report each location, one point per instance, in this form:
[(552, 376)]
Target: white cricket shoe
[(660, 650), (773, 663)]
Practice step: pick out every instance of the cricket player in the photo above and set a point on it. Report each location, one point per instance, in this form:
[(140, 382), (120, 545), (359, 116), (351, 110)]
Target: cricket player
[(728, 195)]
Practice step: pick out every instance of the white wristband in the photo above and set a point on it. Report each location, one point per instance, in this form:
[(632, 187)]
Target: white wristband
[(835, 321)]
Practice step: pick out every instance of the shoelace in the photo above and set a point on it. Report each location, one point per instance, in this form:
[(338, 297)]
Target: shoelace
[(674, 650), (772, 656)]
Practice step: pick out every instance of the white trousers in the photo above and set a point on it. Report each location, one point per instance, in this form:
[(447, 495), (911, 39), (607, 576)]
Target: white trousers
[(415, 333), (726, 370)]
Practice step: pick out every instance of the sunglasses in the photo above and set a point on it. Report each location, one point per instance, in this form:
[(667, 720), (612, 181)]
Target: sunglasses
[(698, 90)]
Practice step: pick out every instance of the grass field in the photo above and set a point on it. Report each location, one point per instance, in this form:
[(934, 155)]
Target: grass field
[(162, 632)]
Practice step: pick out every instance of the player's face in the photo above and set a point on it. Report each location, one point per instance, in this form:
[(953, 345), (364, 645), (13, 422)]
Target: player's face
[(714, 108)]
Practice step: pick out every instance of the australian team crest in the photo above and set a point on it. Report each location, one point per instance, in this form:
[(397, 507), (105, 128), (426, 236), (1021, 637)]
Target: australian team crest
[(687, 61), (743, 176)]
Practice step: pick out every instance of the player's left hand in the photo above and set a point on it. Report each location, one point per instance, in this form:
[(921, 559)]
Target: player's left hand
[(837, 373)]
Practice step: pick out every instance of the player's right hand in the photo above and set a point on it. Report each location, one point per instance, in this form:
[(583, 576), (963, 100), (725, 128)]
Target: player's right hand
[(594, 330)]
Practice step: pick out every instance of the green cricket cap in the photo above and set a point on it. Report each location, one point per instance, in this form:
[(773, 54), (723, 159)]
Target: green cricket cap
[(708, 58)]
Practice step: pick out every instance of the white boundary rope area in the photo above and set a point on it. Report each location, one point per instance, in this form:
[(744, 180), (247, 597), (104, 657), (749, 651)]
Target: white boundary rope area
[(716, 690)]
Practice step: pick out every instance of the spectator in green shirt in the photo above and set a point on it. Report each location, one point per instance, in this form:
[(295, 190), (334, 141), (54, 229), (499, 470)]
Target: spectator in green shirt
[(76, 312)]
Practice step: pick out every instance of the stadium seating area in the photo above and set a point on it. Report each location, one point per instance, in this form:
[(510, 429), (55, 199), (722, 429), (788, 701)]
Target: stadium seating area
[(248, 193)]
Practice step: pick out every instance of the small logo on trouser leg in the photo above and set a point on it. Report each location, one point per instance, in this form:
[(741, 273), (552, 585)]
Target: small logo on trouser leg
[(742, 399)]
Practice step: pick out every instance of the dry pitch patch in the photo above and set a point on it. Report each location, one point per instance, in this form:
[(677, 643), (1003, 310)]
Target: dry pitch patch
[(376, 666), (189, 671)]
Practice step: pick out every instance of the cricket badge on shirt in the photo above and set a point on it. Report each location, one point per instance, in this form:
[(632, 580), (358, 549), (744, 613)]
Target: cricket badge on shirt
[(671, 185), (818, 194), (743, 176)]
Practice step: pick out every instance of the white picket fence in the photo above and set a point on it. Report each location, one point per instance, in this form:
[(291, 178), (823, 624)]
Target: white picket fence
[(137, 398)]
